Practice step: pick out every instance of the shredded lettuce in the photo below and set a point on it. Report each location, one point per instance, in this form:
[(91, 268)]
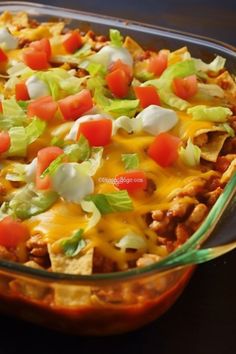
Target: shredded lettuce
[(95, 69), (172, 100), (131, 125), (99, 96), (191, 154), (11, 83), (132, 241), (144, 75), (228, 129), (19, 172), (94, 162), (78, 152), (19, 142), (116, 107), (74, 153), (13, 115), (83, 52), (72, 85), (180, 69), (216, 65), (20, 70), (21, 137), (112, 202), (164, 83), (52, 78), (35, 129), (95, 84), (59, 80), (206, 91), (75, 58), (122, 107), (73, 245), (57, 141), (213, 114), (90, 207), (16, 172), (115, 37), (130, 161), (28, 202)]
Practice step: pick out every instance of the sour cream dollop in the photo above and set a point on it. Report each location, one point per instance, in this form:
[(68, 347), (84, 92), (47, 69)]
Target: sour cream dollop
[(156, 119), (7, 39), (36, 87)]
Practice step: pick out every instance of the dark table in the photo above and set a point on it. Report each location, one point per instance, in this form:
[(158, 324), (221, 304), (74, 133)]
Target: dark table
[(203, 321)]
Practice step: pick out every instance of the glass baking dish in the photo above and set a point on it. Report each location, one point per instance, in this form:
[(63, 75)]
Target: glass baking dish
[(121, 301)]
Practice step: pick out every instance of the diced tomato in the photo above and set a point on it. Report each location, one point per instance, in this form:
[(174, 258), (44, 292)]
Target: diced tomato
[(12, 232), (72, 107), (132, 181), (72, 42), (5, 142), (21, 92), (44, 158), (98, 132), (164, 149), (36, 60), (118, 83), (158, 63), (44, 108), (147, 95), (119, 64), (43, 45), (186, 87), (1, 110), (3, 56)]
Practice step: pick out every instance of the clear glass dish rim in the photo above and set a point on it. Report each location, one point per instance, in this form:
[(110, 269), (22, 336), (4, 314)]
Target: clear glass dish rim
[(154, 268)]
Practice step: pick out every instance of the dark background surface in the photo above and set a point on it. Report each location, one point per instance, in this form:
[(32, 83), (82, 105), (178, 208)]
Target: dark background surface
[(203, 321)]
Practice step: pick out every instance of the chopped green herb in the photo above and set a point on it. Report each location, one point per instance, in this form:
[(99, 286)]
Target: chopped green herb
[(112, 202), (131, 161), (51, 169), (116, 38), (72, 246)]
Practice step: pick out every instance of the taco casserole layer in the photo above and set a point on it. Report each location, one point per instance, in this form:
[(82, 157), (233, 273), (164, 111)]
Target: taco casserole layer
[(111, 155)]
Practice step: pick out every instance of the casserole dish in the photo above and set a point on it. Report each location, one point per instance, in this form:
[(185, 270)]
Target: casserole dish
[(121, 301)]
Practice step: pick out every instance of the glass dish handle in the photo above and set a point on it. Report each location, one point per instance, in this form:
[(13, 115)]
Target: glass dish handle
[(200, 256)]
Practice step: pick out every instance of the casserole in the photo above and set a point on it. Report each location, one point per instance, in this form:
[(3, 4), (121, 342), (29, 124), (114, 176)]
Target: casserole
[(126, 300)]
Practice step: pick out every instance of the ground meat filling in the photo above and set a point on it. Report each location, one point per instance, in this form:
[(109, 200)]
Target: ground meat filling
[(38, 251), (175, 225)]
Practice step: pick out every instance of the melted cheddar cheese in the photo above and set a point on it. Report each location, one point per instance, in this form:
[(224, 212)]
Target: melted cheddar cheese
[(62, 219)]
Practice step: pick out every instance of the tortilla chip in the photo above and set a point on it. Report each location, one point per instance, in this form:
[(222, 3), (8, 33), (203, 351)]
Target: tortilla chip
[(133, 47), (80, 264), (71, 295), (211, 150), (226, 81), (178, 55), (34, 34), (55, 28), (14, 21), (216, 139), (229, 172)]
